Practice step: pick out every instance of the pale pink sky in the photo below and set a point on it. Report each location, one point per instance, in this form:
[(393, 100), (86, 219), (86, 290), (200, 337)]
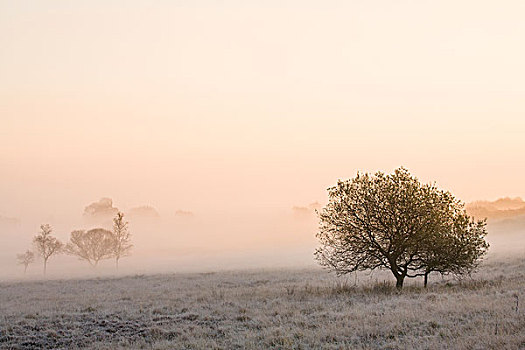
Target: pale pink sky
[(229, 105)]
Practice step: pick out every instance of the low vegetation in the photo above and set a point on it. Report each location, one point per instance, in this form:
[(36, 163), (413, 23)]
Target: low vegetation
[(285, 309)]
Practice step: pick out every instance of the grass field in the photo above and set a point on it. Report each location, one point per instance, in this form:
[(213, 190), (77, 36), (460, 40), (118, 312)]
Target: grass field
[(273, 309)]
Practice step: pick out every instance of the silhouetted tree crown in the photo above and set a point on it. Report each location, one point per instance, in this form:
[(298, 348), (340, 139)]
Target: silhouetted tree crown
[(394, 222), (92, 246)]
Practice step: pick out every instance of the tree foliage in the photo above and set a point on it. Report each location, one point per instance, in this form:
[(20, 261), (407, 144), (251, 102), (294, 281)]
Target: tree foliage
[(47, 245), (458, 250), (92, 246), (394, 222)]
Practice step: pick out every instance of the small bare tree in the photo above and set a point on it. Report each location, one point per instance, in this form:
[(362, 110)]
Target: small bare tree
[(92, 246), (46, 244), (122, 238), (25, 259)]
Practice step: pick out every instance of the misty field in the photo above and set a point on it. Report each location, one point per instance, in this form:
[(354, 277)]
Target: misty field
[(273, 309)]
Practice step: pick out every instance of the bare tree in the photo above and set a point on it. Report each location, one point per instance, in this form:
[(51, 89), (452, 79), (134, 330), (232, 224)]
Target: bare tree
[(122, 238), (25, 259), (92, 246), (394, 222), (46, 244)]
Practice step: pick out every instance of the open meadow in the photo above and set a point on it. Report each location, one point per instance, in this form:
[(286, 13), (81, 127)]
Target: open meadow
[(211, 174), (270, 309)]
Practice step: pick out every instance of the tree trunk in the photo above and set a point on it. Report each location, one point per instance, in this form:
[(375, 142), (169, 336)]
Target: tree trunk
[(25, 269), (400, 277), (116, 262), (45, 266), (426, 279), (399, 283)]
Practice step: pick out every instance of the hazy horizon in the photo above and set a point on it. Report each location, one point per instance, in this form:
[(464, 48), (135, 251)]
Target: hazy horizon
[(239, 111)]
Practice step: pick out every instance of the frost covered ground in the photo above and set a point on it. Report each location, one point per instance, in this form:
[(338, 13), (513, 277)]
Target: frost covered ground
[(277, 309)]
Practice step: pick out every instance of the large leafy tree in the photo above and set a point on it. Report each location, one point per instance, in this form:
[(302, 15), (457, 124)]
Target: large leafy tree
[(92, 246), (46, 244), (394, 222)]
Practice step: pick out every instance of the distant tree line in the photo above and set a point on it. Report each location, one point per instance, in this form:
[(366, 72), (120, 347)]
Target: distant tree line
[(396, 223), (91, 245)]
